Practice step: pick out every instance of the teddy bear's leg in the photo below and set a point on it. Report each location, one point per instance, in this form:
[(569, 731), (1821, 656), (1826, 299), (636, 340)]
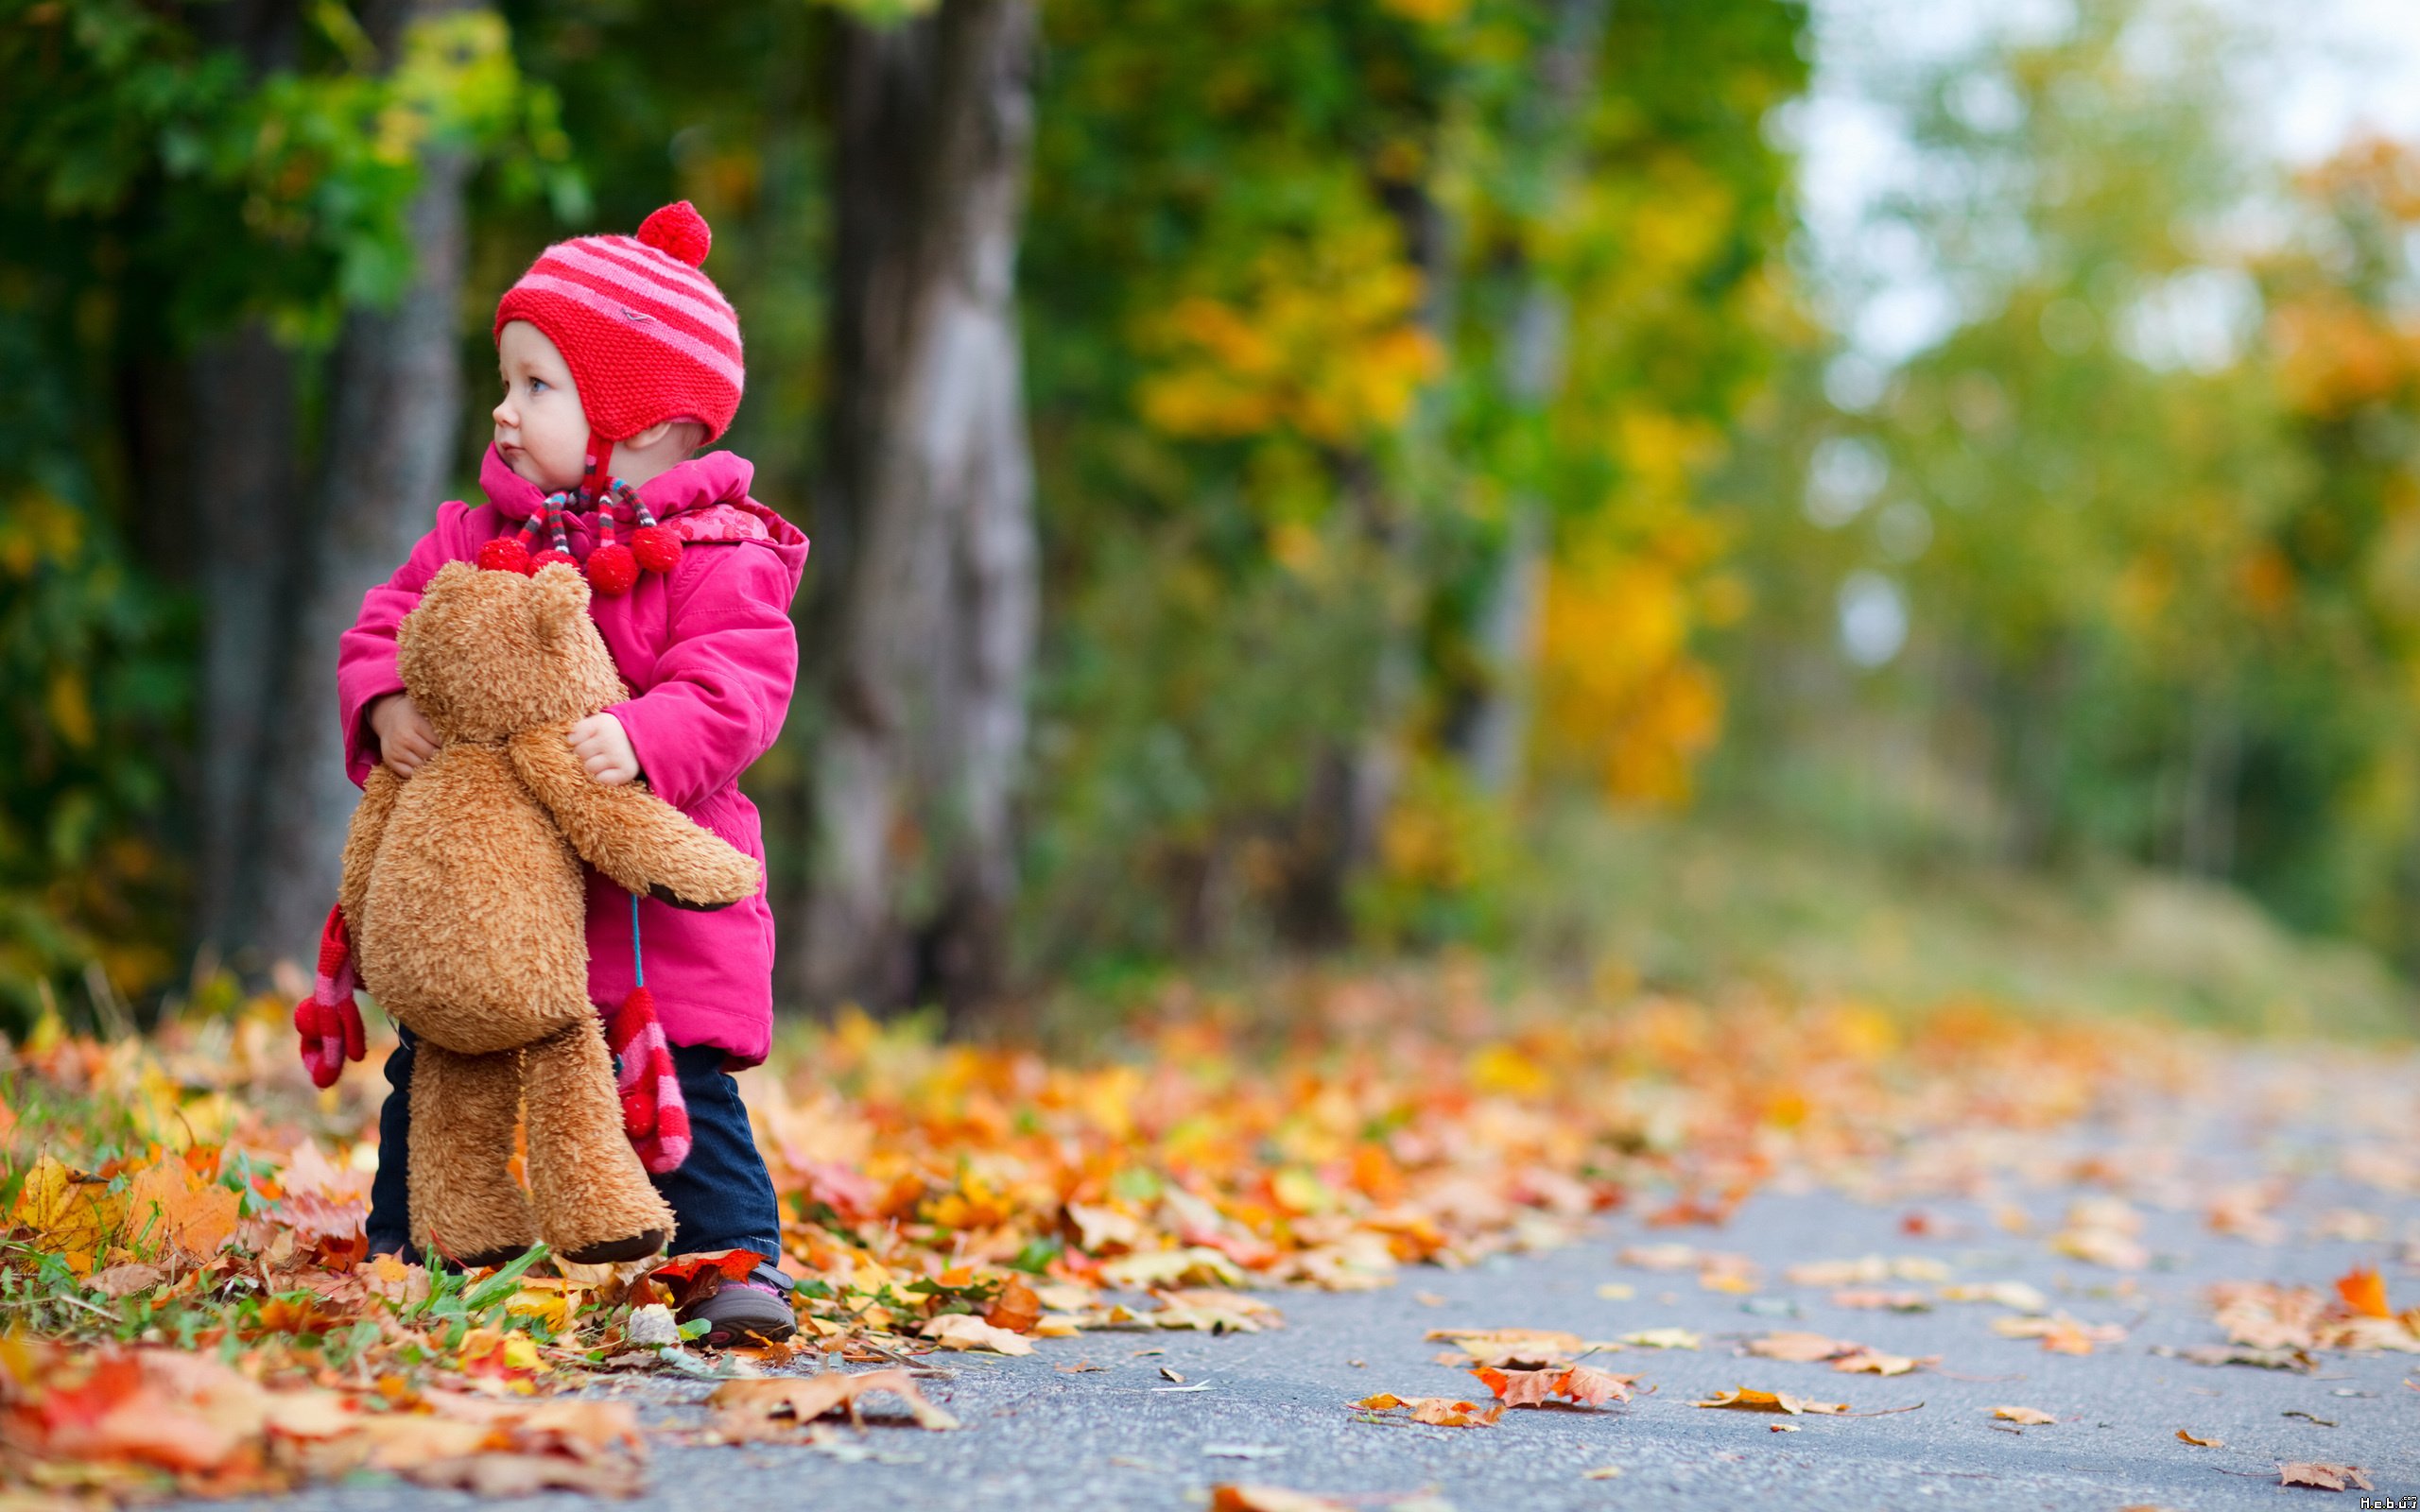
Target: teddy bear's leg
[(465, 1204), (595, 1203)]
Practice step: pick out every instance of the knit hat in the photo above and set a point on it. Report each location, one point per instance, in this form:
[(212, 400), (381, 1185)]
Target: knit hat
[(647, 334)]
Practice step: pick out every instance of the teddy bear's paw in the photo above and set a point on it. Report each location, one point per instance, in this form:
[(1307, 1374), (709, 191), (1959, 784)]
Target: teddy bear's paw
[(615, 1251), (665, 895)]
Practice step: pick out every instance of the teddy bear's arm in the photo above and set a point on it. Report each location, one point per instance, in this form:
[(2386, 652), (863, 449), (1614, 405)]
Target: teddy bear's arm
[(643, 843), (378, 793)]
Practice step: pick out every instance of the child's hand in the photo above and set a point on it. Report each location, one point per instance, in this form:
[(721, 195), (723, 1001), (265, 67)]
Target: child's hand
[(604, 748), (405, 739)]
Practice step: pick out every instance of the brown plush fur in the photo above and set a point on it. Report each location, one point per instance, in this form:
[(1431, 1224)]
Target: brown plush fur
[(463, 892)]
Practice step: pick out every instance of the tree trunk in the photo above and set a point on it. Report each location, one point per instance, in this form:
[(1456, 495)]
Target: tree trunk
[(1496, 736), (929, 630), (394, 403), (243, 388), (240, 534)]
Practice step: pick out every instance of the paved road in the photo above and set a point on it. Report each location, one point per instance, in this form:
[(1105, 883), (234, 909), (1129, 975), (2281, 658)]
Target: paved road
[(1039, 1437)]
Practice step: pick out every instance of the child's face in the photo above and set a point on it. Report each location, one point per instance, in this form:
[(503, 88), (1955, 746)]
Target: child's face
[(540, 431)]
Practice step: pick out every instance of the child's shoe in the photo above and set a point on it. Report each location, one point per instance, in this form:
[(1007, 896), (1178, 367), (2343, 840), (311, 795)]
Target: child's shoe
[(754, 1309)]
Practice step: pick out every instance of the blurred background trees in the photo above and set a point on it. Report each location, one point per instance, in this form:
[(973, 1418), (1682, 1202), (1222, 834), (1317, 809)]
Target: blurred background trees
[(1381, 474)]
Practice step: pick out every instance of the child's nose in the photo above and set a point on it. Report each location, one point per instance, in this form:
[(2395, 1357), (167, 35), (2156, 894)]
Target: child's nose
[(503, 414)]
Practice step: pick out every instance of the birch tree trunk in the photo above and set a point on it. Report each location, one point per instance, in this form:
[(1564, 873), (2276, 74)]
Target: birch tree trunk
[(930, 624), (394, 404)]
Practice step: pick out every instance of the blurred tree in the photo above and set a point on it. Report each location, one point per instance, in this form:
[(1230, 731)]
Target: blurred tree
[(209, 195), (930, 512), (1300, 414), (2117, 546)]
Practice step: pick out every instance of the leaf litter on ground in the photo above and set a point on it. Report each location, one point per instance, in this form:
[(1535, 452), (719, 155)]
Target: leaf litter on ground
[(192, 1187)]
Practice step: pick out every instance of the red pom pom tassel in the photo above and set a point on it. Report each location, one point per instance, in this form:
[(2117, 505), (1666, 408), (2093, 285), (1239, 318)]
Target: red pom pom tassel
[(504, 554), (612, 570), (657, 548), (551, 557)]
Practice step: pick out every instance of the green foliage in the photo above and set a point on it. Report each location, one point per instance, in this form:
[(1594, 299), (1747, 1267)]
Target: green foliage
[(2141, 552), (155, 191), (1277, 447)]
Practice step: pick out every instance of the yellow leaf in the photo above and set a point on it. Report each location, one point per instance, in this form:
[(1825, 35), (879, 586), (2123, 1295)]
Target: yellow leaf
[(69, 1213), (1744, 1399), (964, 1331)]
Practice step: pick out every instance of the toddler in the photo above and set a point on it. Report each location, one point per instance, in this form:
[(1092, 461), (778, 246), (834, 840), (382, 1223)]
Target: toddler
[(620, 360)]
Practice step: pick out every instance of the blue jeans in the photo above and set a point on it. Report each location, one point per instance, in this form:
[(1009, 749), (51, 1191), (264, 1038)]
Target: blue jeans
[(721, 1195)]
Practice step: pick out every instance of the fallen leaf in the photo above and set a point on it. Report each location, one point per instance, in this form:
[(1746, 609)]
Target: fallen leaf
[(1602, 1472), (1017, 1307), (1171, 1373), (1270, 1498), (497, 1476), (2016, 1295), (747, 1404), (2364, 1292), (1745, 1399), (1663, 1339), (168, 1204), (2324, 1477), (1198, 1266), (2195, 1439), (1617, 1291), (964, 1331), (2279, 1359), (1576, 1384), (1800, 1348), (67, 1212), (1440, 1412), (1874, 1363), (1896, 1302), (1867, 1271), (1512, 1348), (2060, 1333), (125, 1279), (2030, 1416)]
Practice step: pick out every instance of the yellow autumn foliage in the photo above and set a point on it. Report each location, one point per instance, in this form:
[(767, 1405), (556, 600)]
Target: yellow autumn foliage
[(1322, 339), (1619, 695)]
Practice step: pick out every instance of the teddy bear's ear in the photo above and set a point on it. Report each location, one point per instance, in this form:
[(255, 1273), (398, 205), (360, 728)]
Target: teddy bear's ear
[(449, 577), (560, 596)]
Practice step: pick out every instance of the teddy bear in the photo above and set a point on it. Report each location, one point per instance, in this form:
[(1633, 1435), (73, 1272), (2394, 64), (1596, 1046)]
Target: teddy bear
[(463, 903)]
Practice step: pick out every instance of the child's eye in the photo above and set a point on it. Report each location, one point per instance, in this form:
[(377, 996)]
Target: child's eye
[(537, 384)]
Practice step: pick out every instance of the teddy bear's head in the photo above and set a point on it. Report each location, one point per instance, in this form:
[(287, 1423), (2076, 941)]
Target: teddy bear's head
[(489, 654)]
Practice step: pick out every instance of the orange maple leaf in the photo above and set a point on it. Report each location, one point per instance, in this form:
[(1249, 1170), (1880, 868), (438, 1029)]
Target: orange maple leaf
[(2364, 1291)]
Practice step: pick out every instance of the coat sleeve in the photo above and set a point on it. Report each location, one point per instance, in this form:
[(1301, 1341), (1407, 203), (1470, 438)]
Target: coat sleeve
[(366, 653), (723, 683)]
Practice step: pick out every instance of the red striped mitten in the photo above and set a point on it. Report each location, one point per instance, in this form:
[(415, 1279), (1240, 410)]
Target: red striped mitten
[(329, 1020), (653, 1113)]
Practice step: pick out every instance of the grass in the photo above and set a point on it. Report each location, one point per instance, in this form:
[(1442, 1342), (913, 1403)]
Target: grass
[(1705, 908)]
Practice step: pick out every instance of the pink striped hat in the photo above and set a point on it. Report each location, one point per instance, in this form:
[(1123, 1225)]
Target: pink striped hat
[(647, 335)]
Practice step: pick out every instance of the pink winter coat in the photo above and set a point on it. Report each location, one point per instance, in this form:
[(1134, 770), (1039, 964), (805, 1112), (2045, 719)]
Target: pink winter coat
[(713, 658)]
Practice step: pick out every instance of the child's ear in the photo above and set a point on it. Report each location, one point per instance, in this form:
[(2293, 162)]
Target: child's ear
[(560, 596)]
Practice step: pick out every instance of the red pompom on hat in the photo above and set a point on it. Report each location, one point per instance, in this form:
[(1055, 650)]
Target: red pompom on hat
[(645, 331)]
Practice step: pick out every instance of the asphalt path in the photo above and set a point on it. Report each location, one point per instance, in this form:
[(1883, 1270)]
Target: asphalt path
[(1093, 1423)]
